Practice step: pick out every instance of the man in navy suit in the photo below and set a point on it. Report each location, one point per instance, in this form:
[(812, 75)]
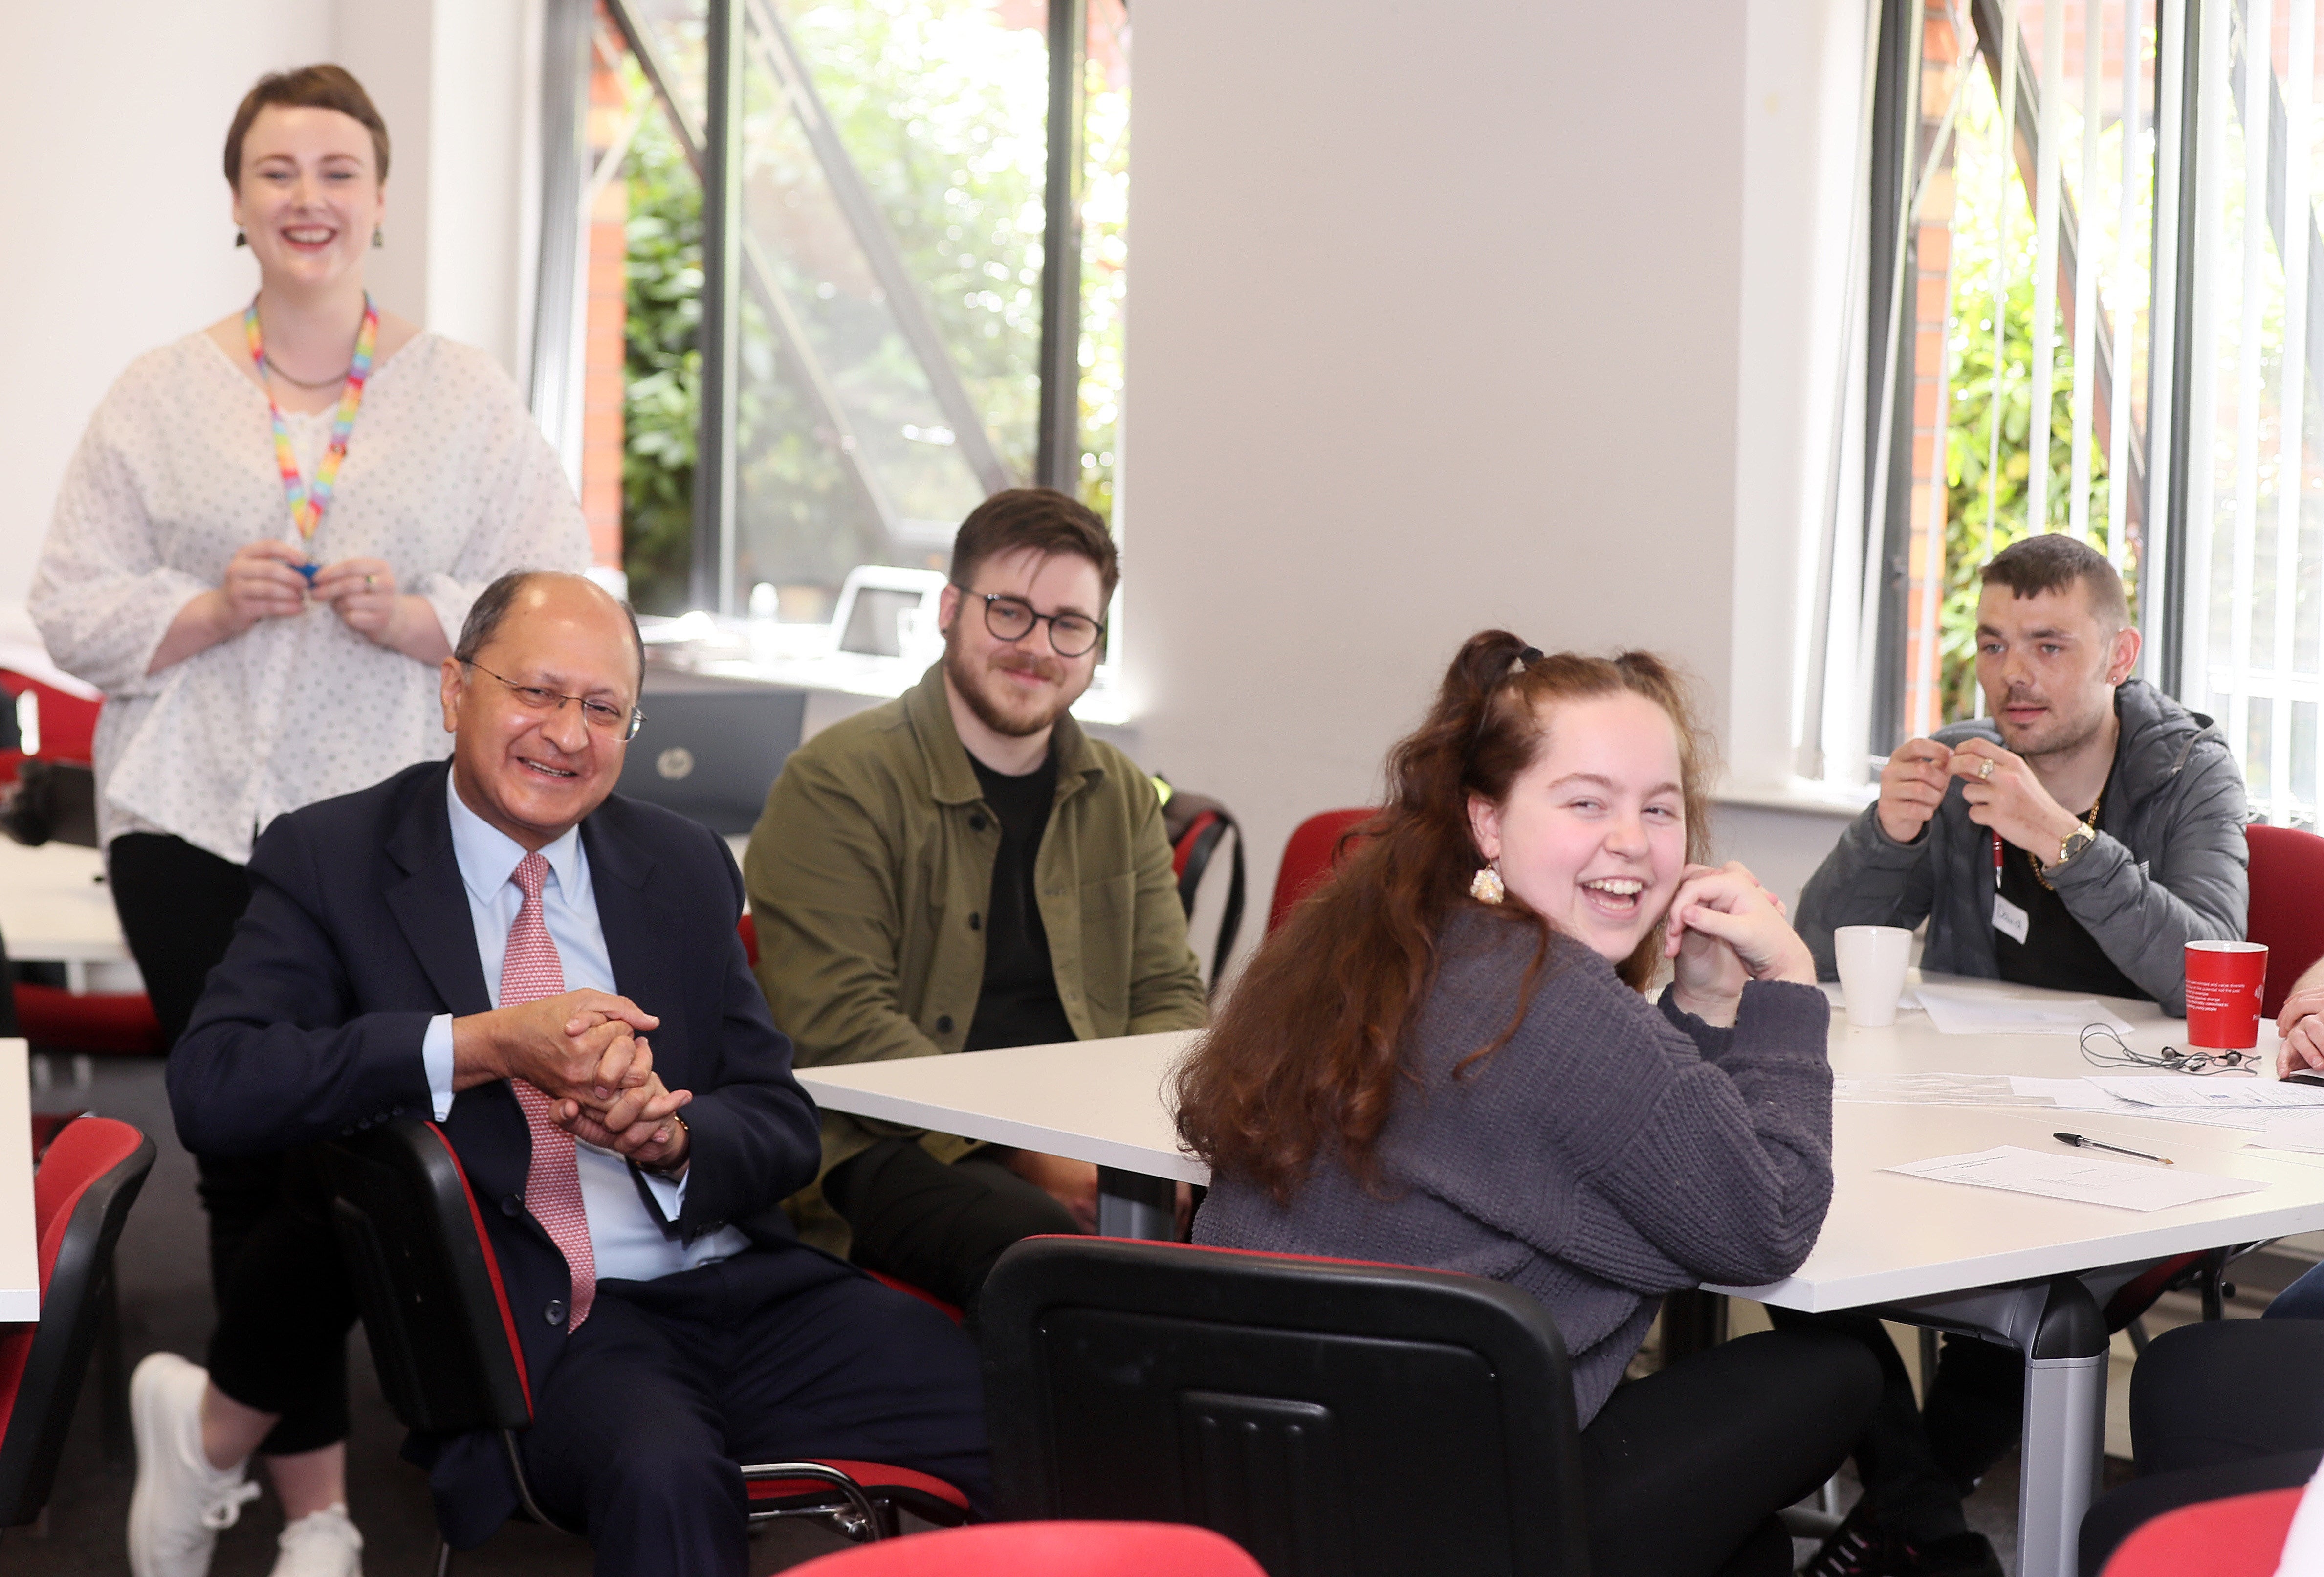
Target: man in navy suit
[(553, 975)]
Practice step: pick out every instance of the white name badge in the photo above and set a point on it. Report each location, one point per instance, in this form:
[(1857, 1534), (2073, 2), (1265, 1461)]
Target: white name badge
[(2008, 919)]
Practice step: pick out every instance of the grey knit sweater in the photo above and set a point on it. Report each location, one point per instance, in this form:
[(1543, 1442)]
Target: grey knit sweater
[(1611, 1152)]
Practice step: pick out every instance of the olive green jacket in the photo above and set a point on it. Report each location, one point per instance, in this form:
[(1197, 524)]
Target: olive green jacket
[(870, 870)]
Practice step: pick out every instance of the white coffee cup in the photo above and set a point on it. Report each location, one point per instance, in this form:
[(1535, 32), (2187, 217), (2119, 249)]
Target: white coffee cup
[(1872, 960)]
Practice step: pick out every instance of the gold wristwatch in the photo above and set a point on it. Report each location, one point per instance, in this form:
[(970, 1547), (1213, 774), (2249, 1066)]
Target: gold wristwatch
[(2081, 838)]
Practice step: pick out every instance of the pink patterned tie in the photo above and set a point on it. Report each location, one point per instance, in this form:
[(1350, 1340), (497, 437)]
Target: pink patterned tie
[(530, 971)]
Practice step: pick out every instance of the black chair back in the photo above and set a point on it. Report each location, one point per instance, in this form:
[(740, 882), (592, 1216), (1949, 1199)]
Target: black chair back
[(1331, 1417), (427, 1281), (104, 1164)]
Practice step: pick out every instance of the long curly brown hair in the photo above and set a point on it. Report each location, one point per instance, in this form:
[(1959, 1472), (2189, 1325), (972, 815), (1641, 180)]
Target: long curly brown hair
[(1306, 1054)]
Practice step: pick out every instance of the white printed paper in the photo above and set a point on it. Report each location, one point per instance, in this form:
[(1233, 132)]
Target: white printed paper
[(2074, 1174), (2212, 1094), (1971, 1010)]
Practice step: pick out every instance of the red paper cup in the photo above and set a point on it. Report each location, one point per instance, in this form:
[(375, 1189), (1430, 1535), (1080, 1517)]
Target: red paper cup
[(2224, 980)]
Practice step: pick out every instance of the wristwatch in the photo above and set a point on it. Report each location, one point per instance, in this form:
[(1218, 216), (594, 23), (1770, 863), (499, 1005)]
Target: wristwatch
[(2080, 838)]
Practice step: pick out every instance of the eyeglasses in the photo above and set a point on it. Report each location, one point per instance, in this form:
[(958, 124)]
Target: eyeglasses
[(1012, 618), (602, 715)]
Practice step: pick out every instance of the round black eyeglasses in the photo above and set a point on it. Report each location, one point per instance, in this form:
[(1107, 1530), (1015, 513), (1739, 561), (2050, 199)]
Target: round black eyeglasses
[(1012, 618)]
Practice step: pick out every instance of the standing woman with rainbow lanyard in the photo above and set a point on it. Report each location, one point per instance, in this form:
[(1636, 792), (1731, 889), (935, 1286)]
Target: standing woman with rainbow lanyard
[(262, 552)]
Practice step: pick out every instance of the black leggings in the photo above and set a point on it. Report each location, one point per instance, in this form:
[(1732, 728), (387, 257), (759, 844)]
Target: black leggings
[(937, 1227), (1683, 1471), (2226, 1407), (1919, 1460), (284, 1305)]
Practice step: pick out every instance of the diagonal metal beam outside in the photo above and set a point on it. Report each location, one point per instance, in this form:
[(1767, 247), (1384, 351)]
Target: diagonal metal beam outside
[(905, 298), (783, 318)]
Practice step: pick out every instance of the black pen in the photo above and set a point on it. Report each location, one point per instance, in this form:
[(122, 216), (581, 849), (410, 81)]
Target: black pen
[(2102, 1145)]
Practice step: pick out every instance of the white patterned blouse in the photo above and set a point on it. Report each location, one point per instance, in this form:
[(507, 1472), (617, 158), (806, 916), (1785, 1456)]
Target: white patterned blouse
[(446, 477)]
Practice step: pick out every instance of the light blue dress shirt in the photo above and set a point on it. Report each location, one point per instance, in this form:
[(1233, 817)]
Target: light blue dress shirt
[(628, 1241)]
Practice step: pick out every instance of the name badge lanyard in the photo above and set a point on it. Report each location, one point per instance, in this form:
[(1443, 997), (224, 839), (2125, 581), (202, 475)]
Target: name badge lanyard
[(309, 503)]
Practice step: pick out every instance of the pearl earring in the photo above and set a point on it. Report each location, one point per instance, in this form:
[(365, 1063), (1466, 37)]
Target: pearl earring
[(1486, 886)]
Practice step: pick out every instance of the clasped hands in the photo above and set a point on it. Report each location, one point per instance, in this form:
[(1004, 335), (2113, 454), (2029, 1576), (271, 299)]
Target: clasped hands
[(587, 1051), (261, 581), (1724, 931), (2002, 791)]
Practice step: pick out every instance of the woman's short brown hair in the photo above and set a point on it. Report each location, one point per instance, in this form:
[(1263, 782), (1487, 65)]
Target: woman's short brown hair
[(323, 87)]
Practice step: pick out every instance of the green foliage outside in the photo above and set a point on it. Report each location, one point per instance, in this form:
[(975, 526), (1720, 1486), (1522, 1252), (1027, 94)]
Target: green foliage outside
[(664, 367), (944, 113), (1978, 524)]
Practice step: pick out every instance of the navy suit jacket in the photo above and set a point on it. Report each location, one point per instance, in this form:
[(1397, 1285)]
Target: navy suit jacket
[(358, 932)]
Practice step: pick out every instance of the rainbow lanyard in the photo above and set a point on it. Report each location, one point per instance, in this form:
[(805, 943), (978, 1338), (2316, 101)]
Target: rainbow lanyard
[(307, 504)]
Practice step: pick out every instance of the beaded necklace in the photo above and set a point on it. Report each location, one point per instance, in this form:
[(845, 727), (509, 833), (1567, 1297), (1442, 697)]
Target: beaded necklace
[(309, 503)]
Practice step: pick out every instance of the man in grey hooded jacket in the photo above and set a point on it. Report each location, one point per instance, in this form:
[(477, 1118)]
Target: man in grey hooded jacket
[(2160, 860), (2078, 840)]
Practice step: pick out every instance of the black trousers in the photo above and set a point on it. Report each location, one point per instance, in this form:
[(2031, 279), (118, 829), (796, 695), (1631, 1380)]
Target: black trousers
[(671, 1383), (1919, 1460), (2226, 1407), (939, 1227), (1684, 1471), (283, 1303)]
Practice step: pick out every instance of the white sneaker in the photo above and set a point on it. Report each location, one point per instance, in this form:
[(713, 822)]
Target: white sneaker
[(180, 1502), (321, 1544)]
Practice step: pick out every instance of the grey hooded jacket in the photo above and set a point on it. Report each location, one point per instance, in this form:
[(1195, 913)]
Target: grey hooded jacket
[(2169, 866)]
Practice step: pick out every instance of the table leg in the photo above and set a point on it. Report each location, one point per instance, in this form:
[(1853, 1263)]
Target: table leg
[(2057, 1325), (1130, 1205)]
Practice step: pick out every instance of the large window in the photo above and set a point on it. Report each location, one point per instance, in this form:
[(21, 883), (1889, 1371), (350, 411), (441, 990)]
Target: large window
[(2013, 187), (804, 293), (2094, 225)]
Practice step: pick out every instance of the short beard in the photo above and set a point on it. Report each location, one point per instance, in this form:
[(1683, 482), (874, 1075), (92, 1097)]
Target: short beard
[(964, 685)]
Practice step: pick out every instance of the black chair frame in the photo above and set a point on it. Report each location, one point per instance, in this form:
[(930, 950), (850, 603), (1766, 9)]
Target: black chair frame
[(1331, 1417), (444, 1342)]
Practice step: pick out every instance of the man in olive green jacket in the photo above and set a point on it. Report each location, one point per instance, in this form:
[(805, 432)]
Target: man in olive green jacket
[(964, 868)]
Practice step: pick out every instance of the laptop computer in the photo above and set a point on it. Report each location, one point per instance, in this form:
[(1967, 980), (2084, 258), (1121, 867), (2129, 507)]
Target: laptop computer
[(711, 747)]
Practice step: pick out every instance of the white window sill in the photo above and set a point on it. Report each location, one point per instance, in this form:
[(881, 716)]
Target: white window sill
[(1801, 795), (788, 654)]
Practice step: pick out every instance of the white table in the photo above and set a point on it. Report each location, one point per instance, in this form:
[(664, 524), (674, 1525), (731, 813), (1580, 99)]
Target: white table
[(1100, 1101), (20, 1260), (55, 908), (2028, 1271)]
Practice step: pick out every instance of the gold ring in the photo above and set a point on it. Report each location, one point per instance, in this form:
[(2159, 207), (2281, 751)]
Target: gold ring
[(1985, 773), (371, 581)]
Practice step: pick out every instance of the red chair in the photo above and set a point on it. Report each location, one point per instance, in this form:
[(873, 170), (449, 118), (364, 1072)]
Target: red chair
[(2240, 1536), (1316, 846), (68, 722), (749, 930), (103, 1023), (2287, 905), (1329, 1416), (81, 1195), (1046, 1549), (444, 1340)]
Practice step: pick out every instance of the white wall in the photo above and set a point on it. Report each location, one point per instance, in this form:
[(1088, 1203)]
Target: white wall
[(118, 233), (1437, 325)]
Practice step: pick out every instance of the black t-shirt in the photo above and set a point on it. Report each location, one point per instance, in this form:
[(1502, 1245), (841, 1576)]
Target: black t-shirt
[(1018, 1004), (2056, 953)]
